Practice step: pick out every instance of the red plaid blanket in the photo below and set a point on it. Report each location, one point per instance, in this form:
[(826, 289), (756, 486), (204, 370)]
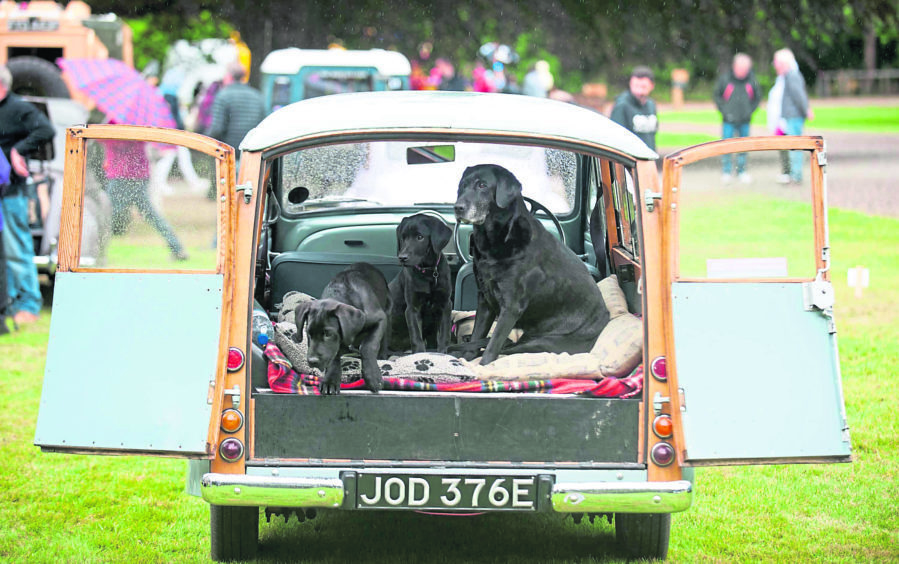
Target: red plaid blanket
[(283, 379)]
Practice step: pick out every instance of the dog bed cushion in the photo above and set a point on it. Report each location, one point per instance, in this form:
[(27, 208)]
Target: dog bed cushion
[(619, 347), (284, 379)]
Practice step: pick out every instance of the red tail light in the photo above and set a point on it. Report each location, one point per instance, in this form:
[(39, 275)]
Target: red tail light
[(235, 359), (662, 454), (231, 449), (659, 369)]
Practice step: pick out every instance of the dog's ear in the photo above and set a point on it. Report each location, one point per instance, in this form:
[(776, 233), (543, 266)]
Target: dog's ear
[(351, 321), (440, 236), (300, 314), (507, 187), (399, 234)]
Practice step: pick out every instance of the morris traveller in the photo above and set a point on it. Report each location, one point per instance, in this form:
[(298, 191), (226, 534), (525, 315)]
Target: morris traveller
[(728, 291)]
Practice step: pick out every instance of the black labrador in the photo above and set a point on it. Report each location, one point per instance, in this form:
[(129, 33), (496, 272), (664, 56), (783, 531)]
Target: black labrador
[(421, 310), (526, 277), (352, 313)]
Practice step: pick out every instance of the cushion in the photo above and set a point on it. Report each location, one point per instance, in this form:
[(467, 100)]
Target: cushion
[(539, 366), (285, 334), (619, 348), (613, 296), (289, 303)]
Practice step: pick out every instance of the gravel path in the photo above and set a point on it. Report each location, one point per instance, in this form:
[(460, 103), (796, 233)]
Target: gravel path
[(862, 168)]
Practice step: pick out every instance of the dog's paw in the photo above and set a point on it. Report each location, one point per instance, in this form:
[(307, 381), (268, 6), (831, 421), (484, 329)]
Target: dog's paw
[(374, 382), (329, 389), (423, 365)]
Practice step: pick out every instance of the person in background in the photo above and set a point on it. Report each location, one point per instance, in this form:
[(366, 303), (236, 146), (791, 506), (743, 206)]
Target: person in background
[(171, 82), (635, 110), (538, 81), (737, 95), (237, 108), (449, 78), (4, 295), (23, 128), (789, 96), (127, 171)]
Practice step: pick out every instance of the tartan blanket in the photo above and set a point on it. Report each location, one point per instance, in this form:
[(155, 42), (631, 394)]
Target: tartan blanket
[(283, 379)]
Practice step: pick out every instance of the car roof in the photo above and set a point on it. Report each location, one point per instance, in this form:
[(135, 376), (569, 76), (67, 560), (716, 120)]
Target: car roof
[(470, 112), (292, 59)]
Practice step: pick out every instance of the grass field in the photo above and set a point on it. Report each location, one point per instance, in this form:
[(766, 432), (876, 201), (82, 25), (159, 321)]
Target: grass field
[(862, 119), (108, 509)]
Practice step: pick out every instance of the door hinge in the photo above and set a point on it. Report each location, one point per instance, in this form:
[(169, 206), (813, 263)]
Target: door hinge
[(650, 199), (819, 296), (657, 401), (247, 189), (235, 395), (822, 158)]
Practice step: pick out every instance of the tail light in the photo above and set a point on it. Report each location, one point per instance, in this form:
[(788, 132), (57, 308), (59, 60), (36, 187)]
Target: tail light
[(663, 427), (662, 454), (659, 369), (235, 359), (232, 420), (231, 449)]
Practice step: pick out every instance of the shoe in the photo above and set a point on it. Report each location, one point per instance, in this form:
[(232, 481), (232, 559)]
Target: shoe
[(24, 318), (795, 181), (745, 178), (727, 178), (180, 256), (783, 179)]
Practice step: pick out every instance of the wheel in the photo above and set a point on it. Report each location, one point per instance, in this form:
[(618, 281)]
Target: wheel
[(643, 535), (535, 206), (32, 76), (234, 532)]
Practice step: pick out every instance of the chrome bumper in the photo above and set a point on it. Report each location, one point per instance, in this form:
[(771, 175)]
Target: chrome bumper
[(622, 497), (566, 497), (271, 491)]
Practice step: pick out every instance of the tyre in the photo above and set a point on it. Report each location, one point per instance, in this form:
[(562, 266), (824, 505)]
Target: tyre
[(32, 76), (643, 535), (234, 532)]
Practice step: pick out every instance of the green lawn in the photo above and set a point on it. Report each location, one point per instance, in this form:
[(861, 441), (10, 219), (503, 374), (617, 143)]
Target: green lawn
[(681, 139), (128, 509), (863, 119)]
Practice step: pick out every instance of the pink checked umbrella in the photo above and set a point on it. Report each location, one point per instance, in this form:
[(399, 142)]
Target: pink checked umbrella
[(118, 91)]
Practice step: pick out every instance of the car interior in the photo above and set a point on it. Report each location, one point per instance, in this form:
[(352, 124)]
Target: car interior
[(330, 206)]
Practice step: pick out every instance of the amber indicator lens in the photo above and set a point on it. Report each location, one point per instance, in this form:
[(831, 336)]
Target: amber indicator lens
[(231, 449), (235, 359), (662, 454), (663, 427), (232, 420), (659, 369)]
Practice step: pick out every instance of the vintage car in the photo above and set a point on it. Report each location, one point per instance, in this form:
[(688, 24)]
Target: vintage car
[(292, 74), (729, 290)]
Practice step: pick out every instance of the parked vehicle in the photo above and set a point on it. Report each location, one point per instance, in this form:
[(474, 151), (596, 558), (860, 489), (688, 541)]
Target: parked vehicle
[(34, 34), (290, 75), (730, 296)]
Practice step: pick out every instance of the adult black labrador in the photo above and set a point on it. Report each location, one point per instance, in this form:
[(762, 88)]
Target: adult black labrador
[(352, 313), (421, 310), (526, 277)]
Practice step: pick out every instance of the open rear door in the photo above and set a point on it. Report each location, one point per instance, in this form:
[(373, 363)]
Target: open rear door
[(137, 347), (752, 355)]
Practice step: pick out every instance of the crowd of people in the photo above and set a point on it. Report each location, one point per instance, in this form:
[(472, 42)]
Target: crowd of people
[(228, 109)]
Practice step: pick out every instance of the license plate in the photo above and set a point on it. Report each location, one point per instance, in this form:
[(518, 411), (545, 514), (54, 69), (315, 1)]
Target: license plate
[(453, 493)]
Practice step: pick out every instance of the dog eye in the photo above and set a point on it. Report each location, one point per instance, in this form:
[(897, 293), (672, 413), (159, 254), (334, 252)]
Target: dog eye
[(420, 237), (482, 185)]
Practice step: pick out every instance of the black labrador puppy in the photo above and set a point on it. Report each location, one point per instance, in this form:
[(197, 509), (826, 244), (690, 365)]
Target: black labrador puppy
[(420, 315), (352, 313), (526, 277)]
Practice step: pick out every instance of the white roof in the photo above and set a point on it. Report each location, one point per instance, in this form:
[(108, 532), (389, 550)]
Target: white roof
[(422, 110), (292, 59)]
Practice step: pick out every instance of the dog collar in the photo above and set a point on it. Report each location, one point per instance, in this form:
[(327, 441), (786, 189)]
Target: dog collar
[(429, 270)]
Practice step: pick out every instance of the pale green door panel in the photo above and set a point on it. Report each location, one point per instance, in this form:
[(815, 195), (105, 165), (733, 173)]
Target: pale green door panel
[(759, 374), (129, 363)]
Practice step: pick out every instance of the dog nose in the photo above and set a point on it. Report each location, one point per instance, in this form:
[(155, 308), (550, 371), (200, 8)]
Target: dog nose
[(403, 258), (459, 209), (313, 361)]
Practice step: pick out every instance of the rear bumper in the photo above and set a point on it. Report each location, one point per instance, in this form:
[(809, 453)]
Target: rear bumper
[(565, 497), (622, 497)]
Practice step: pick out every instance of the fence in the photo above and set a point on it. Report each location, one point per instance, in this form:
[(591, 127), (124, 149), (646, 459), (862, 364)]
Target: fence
[(851, 82)]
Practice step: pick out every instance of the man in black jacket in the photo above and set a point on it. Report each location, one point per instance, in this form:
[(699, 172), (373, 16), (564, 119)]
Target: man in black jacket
[(737, 95), (635, 110), (23, 128)]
